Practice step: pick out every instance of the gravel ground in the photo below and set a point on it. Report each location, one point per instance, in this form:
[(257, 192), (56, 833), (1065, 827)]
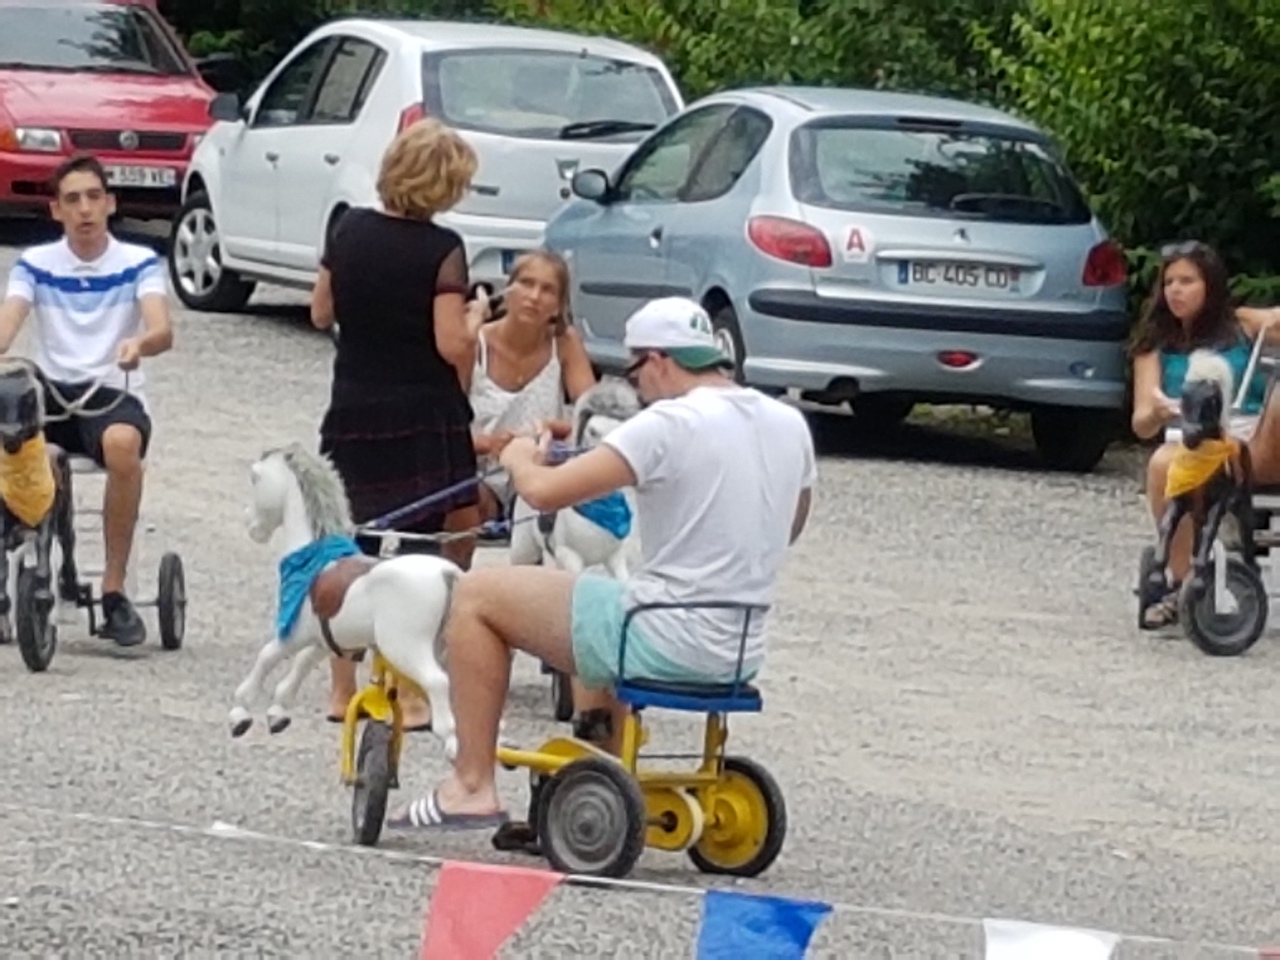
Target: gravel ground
[(962, 715)]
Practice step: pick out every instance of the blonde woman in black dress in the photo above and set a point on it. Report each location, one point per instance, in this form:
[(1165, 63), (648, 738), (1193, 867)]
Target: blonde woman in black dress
[(398, 426)]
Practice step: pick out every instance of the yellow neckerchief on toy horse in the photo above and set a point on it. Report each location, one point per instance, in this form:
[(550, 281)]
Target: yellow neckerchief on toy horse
[(1191, 469), (26, 481)]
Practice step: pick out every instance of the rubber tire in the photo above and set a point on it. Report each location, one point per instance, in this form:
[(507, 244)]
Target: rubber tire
[(171, 602), (561, 696), (724, 320), (37, 634), (1241, 579), (1070, 439), (559, 791), (231, 293), (372, 789), (775, 834)]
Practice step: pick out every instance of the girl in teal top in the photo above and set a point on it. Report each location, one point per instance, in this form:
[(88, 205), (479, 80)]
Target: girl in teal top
[(1190, 308)]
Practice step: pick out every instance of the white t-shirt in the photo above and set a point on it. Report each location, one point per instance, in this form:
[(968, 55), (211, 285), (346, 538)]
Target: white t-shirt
[(83, 309), (719, 472)]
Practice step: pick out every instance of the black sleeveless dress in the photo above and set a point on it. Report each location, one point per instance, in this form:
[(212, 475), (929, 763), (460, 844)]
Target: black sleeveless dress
[(398, 426)]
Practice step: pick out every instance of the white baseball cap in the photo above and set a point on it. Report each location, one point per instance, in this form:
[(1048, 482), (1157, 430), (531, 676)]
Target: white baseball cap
[(680, 328)]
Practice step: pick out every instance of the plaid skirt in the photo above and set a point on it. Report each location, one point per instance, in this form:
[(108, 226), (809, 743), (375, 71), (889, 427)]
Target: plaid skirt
[(393, 444)]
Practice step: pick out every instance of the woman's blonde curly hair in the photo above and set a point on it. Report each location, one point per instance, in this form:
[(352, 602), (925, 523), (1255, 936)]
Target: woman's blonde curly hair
[(426, 170)]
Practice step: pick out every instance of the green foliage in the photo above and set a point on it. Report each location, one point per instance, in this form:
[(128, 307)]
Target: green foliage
[(1168, 110)]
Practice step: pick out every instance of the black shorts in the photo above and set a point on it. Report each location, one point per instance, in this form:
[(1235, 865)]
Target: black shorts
[(82, 435)]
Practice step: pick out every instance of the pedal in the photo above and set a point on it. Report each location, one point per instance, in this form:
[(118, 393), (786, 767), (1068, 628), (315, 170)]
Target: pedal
[(515, 836)]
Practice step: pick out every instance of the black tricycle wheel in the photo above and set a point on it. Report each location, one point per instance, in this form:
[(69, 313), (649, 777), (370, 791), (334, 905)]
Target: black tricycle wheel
[(36, 631), (1225, 634), (171, 602), (591, 821), (375, 774), (561, 696)]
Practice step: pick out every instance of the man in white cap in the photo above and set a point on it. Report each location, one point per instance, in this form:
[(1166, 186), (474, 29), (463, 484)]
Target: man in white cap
[(723, 476)]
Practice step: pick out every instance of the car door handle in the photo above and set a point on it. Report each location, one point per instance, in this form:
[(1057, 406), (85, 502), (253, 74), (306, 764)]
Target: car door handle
[(272, 156), (655, 237), (331, 158)]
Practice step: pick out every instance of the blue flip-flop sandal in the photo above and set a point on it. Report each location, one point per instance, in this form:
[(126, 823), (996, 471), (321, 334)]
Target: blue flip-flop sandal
[(425, 814)]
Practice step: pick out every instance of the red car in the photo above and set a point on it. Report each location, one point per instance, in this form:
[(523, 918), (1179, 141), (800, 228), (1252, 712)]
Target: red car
[(109, 77)]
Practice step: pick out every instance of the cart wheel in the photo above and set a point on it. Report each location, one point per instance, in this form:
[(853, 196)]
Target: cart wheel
[(561, 696), (746, 821), (37, 634), (1226, 633), (591, 821), (374, 766), (171, 602), (1146, 567)]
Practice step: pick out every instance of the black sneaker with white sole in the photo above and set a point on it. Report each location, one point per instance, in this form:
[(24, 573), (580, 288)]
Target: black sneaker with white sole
[(120, 621)]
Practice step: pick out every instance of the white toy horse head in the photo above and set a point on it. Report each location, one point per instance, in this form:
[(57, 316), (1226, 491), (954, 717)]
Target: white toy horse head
[(572, 541), (333, 600), (299, 490), (1207, 396), (601, 410)]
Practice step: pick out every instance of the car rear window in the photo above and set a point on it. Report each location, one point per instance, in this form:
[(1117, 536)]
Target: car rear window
[(89, 37), (928, 171), (537, 94)]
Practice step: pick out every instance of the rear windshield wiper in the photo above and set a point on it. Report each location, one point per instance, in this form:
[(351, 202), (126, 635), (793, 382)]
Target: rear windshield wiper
[(585, 129)]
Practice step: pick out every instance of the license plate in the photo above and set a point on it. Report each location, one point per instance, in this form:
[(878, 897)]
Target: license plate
[(970, 276), (147, 177)]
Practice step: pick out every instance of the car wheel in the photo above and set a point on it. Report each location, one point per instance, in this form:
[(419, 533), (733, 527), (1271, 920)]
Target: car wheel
[(195, 261), (724, 325), (1069, 439)]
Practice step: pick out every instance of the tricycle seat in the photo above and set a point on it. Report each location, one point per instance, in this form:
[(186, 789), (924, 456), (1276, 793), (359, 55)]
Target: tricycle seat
[(690, 697)]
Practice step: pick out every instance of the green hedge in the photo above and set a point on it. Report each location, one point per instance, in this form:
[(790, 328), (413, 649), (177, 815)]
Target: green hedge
[(1168, 111)]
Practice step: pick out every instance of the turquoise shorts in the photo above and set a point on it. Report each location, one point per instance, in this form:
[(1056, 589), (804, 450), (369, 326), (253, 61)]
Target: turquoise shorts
[(596, 626)]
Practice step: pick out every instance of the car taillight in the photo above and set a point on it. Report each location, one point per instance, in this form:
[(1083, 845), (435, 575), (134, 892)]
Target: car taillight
[(1105, 266), (790, 240), (410, 115)]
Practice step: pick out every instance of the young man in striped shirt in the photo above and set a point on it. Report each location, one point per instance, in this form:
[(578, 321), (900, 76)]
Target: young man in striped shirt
[(100, 306)]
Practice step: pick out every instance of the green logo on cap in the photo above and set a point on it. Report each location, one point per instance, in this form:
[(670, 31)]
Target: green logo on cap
[(700, 323)]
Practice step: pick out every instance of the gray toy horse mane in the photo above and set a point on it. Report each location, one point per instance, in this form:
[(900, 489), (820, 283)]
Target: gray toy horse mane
[(321, 487), (611, 397)]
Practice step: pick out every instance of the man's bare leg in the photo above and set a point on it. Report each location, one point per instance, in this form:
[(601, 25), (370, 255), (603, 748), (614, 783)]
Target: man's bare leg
[(496, 611), (122, 458), (122, 455)]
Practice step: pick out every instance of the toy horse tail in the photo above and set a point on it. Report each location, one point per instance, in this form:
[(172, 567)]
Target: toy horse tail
[(451, 575)]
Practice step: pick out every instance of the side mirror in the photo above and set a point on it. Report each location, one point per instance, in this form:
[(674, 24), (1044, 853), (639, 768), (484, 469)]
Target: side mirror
[(225, 106), (591, 185), (222, 71)]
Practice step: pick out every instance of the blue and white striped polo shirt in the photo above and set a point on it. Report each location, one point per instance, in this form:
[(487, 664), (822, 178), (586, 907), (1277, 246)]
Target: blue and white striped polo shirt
[(83, 309)]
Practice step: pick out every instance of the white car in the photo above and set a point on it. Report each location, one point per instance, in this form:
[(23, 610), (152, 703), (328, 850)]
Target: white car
[(269, 181)]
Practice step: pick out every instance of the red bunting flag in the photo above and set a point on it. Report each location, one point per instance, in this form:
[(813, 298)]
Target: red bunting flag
[(476, 907)]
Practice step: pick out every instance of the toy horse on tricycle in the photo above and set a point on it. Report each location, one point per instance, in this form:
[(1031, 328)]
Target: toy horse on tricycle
[(1223, 604), (36, 511)]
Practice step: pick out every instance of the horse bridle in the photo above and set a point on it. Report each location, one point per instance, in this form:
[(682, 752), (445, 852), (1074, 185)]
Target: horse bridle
[(71, 408)]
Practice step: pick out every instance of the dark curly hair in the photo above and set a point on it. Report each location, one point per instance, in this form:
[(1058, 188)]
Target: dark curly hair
[(1214, 326)]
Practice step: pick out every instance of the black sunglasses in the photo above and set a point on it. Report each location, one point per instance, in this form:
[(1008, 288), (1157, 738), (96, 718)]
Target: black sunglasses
[(1170, 250), (634, 366)]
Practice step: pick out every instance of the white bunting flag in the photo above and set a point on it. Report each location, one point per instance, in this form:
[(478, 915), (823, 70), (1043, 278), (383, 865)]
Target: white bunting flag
[(1017, 940)]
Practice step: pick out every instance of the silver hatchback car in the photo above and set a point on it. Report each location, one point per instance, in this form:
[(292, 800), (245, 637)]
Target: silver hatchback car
[(865, 247)]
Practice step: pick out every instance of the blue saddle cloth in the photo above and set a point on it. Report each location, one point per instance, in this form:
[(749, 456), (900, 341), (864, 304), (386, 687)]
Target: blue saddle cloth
[(299, 569), (612, 512)]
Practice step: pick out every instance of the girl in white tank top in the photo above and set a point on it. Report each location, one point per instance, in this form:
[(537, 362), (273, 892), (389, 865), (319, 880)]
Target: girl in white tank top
[(498, 409)]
